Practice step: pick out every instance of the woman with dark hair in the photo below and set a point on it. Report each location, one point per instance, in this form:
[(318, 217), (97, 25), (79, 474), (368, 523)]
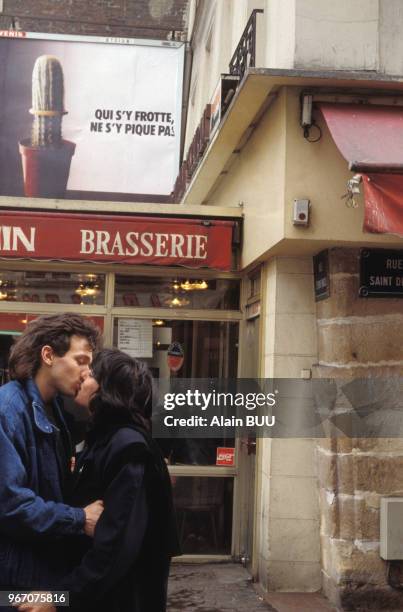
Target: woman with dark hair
[(126, 566)]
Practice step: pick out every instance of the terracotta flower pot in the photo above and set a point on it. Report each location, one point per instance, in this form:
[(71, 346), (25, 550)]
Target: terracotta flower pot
[(46, 169)]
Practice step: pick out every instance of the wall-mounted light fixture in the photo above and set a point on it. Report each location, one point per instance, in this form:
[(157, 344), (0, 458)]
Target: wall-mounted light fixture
[(307, 120), (306, 110)]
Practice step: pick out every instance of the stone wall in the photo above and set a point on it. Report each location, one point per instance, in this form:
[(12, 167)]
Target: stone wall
[(159, 19), (357, 337)]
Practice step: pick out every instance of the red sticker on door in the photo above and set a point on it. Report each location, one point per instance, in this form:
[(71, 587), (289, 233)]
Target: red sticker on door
[(175, 356), (225, 456)]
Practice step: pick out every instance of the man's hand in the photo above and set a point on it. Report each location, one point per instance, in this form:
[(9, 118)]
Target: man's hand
[(92, 514)]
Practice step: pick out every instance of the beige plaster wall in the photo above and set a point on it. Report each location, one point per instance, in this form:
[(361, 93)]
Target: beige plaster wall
[(280, 16), (346, 35), (319, 172), (211, 48), (288, 514), (256, 179), (277, 165), (390, 36), (215, 36), (340, 35)]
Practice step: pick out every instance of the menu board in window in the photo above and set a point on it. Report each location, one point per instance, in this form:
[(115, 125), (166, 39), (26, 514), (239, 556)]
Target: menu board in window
[(135, 337)]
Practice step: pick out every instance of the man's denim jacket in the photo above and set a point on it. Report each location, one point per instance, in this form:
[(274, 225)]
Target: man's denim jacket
[(32, 513)]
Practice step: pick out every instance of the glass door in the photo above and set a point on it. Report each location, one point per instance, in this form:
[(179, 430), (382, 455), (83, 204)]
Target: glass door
[(203, 487)]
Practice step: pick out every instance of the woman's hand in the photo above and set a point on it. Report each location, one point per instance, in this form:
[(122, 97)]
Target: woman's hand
[(29, 607), (40, 606)]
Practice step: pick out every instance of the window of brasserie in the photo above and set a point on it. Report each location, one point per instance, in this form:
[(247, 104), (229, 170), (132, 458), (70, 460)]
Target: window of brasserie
[(26, 294), (177, 292), (52, 287), (201, 316)]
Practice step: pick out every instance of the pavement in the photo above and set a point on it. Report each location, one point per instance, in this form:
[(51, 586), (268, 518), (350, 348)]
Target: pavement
[(227, 587)]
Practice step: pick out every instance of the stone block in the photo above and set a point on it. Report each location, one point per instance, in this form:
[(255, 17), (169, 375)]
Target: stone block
[(343, 294), (349, 372), (142, 19), (346, 561), (348, 517), (334, 345), (361, 343), (294, 497), (344, 260), (378, 445), (292, 576), (327, 557), (330, 589), (294, 540), (295, 334), (380, 474), (335, 473), (290, 366), (344, 300), (364, 597), (293, 457), (335, 445), (295, 294), (370, 598), (329, 515)]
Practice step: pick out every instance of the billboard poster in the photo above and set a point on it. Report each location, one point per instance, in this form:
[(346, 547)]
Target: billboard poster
[(88, 117)]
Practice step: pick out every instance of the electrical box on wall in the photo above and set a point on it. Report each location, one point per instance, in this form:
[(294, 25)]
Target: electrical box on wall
[(301, 212), (391, 528)]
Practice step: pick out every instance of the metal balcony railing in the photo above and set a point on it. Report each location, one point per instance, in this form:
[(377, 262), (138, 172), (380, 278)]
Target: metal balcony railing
[(245, 53)]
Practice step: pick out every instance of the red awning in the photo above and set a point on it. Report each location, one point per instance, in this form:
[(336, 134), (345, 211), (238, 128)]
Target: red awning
[(369, 137), (383, 195), (371, 140), (162, 241)]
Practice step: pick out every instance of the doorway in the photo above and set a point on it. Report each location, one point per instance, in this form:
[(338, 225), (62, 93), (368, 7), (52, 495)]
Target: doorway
[(203, 488)]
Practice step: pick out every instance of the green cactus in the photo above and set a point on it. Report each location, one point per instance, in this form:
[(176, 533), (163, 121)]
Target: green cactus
[(47, 102)]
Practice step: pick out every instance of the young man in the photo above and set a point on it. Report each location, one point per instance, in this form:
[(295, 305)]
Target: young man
[(52, 356)]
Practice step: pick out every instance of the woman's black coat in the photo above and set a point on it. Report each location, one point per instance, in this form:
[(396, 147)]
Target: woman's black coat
[(125, 567)]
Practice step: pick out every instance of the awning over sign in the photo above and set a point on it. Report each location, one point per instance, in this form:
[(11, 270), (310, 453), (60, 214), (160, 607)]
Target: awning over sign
[(370, 138), (162, 241)]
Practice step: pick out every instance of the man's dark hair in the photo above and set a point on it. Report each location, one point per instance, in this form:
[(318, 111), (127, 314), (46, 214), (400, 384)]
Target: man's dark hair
[(125, 388), (54, 331)]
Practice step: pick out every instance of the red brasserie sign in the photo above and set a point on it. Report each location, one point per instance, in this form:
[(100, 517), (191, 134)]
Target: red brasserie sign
[(130, 240)]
